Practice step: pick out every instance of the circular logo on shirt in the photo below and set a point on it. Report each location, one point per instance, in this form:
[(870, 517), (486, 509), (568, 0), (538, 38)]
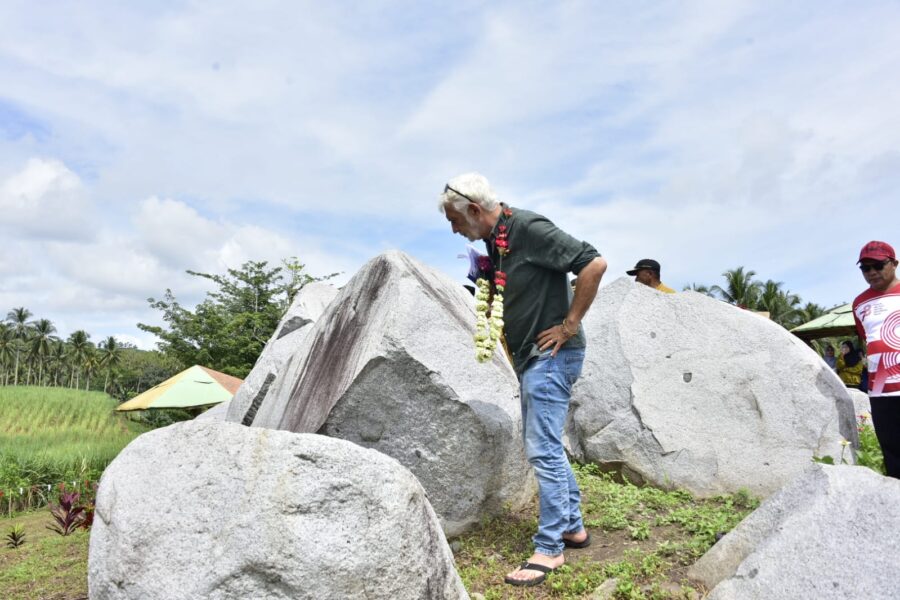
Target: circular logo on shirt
[(890, 330)]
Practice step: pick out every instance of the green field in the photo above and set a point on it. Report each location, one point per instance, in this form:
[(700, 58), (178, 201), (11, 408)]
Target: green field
[(50, 436)]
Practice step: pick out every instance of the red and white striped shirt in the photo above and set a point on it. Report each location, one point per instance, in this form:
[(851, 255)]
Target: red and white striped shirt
[(877, 316)]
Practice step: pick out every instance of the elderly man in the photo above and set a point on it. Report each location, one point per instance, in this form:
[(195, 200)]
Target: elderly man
[(545, 339), (646, 271), (877, 315)]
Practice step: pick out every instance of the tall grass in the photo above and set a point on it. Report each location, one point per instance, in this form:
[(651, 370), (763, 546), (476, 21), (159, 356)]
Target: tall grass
[(51, 436)]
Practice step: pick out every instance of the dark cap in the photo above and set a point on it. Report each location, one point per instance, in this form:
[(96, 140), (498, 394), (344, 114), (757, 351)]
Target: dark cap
[(644, 263), (875, 250)]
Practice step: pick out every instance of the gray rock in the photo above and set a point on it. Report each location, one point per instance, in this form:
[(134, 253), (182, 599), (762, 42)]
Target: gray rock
[(308, 305), (219, 412), (606, 590), (391, 365), (219, 511), (833, 533), (861, 403), (681, 390)]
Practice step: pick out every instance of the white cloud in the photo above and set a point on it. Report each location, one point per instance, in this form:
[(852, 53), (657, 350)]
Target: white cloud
[(45, 199), (146, 341), (113, 264), (177, 234)]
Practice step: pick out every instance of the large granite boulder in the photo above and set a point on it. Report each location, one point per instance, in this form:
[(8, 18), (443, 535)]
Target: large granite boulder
[(297, 322), (219, 412), (682, 390), (861, 404), (833, 533), (219, 511), (390, 365)]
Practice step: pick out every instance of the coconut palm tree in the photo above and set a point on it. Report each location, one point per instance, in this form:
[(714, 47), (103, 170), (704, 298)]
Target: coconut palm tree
[(740, 288), (110, 357), (7, 340), (41, 338), (79, 346), (31, 359), (780, 304), (90, 362), (19, 319), (58, 356)]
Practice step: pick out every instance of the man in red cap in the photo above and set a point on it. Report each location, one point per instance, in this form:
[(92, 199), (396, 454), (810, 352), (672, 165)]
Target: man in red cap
[(877, 315)]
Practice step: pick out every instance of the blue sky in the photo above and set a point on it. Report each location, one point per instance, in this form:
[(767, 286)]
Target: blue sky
[(142, 140)]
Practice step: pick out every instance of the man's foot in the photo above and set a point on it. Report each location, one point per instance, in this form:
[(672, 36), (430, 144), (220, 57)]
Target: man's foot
[(535, 569), (580, 539)]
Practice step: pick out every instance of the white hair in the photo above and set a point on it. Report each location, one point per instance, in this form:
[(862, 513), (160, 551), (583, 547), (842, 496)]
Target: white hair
[(468, 187)]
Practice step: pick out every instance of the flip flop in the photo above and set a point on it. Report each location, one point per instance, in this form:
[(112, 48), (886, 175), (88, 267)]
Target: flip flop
[(530, 582), (582, 544)]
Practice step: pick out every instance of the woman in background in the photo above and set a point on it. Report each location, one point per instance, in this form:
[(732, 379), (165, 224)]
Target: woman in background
[(830, 358), (850, 365)]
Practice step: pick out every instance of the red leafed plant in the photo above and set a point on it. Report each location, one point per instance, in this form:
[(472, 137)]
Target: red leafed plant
[(88, 519), (68, 514), (89, 501)]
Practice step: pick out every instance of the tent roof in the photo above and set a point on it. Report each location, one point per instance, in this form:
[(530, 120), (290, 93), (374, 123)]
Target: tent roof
[(836, 322), (195, 386)]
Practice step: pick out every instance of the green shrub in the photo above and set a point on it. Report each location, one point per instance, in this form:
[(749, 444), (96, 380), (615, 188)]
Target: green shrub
[(16, 537), (869, 453)]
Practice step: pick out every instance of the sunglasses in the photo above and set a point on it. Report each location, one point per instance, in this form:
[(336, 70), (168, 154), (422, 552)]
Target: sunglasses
[(877, 266), (447, 188)]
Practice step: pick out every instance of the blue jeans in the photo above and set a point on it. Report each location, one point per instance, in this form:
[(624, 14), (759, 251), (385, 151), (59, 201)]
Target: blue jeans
[(546, 387)]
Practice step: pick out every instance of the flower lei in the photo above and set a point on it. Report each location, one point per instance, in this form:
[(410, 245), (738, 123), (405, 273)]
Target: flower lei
[(489, 313)]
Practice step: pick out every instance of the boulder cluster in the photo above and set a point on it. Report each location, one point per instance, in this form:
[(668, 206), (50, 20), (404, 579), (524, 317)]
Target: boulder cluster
[(367, 434)]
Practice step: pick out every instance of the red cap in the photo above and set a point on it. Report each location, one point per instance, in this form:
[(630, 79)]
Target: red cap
[(876, 250)]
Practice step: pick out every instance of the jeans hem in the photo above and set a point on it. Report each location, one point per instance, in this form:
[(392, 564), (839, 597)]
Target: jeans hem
[(546, 552)]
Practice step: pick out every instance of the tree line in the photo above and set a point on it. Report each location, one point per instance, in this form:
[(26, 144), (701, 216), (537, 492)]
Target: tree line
[(32, 354), (742, 289)]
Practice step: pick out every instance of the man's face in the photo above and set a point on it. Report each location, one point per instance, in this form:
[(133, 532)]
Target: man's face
[(462, 223), (829, 352), (644, 276), (879, 274)]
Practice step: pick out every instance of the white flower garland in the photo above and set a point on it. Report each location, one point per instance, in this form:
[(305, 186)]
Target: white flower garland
[(487, 329)]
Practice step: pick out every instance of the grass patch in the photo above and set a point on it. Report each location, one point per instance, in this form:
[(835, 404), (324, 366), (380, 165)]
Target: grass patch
[(47, 565), (644, 537), (54, 435)]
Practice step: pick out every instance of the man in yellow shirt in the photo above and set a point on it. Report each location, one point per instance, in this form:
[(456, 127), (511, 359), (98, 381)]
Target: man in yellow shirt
[(646, 271)]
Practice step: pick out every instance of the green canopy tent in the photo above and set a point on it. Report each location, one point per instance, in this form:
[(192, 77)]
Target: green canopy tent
[(194, 387), (835, 323)]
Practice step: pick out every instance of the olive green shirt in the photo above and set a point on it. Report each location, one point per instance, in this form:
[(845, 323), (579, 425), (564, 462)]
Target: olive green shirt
[(537, 295)]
